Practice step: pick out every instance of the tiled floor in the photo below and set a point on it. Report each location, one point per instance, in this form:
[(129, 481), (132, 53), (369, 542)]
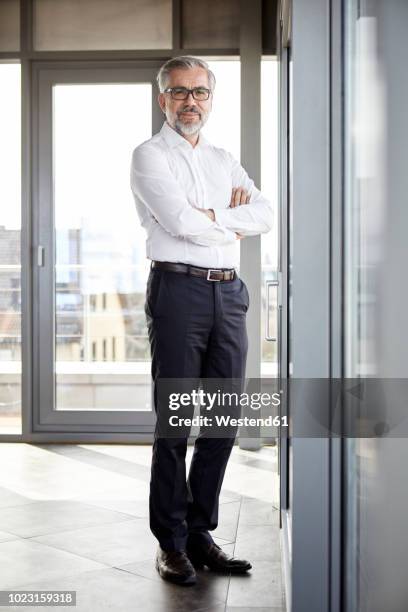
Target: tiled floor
[(75, 517)]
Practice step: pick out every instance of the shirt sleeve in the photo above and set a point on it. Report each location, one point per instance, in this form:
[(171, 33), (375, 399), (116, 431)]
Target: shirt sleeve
[(153, 183), (248, 219)]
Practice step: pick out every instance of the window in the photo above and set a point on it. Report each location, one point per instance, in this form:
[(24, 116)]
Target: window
[(10, 260)]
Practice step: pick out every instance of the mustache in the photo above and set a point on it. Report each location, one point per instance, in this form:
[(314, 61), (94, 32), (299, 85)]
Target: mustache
[(189, 109)]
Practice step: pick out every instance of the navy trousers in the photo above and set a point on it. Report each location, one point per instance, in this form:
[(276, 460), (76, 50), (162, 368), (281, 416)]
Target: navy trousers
[(197, 329)]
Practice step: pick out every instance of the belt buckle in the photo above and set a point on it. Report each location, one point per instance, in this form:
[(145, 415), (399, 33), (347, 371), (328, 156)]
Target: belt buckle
[(209, 273)]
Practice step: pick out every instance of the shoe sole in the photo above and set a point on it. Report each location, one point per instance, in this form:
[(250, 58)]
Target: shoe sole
[(190, 581), (199, 565)]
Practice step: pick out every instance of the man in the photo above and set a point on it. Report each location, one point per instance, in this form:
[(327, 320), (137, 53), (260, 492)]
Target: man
[(195, 202)]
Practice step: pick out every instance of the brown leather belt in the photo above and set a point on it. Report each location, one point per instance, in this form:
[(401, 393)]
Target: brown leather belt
[(210, 274)]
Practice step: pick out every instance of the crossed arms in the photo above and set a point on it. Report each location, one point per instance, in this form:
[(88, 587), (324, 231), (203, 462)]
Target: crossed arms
[(154, 184)]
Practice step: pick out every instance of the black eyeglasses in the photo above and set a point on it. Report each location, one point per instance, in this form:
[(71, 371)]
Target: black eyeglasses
[(182, 93)]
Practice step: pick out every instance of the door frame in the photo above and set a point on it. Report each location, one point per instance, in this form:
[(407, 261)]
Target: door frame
[(44, 76)]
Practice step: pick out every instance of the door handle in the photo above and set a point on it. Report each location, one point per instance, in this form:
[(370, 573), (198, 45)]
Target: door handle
[(268, 285), (40, 256)]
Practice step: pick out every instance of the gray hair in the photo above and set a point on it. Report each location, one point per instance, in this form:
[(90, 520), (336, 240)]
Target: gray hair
[(184, 62)]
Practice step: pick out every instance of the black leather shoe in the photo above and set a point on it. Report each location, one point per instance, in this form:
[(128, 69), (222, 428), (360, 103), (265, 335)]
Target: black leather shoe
[(215, 559), (176, 567)]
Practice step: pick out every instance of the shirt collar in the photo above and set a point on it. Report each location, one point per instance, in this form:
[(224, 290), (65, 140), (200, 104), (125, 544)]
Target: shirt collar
[(174, 139)]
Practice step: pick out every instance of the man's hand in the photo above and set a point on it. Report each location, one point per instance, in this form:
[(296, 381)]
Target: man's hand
[(239, 196), (210, 214)]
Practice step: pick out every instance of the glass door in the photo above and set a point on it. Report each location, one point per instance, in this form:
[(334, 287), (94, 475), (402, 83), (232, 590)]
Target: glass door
[(92, 357)]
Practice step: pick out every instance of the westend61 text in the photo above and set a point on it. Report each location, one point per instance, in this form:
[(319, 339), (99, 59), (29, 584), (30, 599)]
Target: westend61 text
[(228, 421)]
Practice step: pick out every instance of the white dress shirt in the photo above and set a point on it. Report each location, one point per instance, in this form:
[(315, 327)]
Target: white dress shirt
[(170, 179)]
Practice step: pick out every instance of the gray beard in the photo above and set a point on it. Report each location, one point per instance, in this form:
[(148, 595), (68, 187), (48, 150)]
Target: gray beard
[(188, 130)]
